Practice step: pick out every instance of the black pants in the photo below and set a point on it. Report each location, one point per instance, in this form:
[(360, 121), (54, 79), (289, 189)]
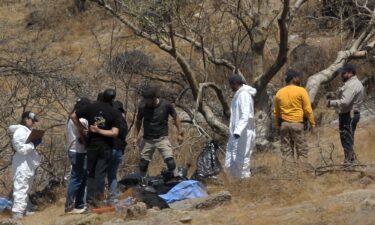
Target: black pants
[(347, 126), (98, 158)]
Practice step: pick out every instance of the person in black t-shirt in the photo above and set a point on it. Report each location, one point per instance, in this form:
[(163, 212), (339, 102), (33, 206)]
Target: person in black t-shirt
[(103, 127), (154, 112), (118, 149)]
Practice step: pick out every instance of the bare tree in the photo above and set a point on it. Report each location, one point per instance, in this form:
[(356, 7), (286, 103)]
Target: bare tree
[(213, 29), (358, 47), (32, 80)]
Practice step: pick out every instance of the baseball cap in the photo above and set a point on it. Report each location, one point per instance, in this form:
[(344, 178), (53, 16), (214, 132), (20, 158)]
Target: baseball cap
[(30, 115), (119, 106), (346, 68), (81, 102), (290, 74)]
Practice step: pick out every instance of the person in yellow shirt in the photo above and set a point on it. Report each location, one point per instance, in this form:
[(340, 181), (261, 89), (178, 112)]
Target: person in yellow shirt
[(292, 104)]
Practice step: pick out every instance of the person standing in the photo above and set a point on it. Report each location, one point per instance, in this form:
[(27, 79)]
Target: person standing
[(154, 113), (348, 104), (241, 129), (119, 144), (292, 104), (24, 163), (103, 127), (75, 202)]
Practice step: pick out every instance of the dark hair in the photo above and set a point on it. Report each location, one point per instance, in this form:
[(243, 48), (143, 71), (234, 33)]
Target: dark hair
[(151, 92), (290, 74), (236, 79), (80, 103)]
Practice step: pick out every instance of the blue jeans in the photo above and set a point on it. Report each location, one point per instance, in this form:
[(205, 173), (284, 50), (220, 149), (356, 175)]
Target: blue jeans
[(77, 183), (116, 160)]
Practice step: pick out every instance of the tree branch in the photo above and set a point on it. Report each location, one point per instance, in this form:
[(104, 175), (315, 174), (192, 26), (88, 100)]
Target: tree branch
[(262, 81), (315, 81)]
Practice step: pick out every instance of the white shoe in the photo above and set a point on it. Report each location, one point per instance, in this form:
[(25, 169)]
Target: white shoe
[(29, 213), (78, 211)]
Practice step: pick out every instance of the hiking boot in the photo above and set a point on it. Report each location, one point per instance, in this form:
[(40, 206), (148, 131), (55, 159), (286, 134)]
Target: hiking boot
[(17, 215)]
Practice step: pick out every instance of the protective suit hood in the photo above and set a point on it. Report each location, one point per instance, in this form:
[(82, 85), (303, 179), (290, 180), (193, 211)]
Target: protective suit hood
[(252, 91), (12, 129)]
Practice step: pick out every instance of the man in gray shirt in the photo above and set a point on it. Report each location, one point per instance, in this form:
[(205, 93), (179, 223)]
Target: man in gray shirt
[(348, 104)]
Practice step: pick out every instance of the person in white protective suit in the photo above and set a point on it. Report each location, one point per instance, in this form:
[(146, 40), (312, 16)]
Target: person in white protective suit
[(24, 163), (241, 129)]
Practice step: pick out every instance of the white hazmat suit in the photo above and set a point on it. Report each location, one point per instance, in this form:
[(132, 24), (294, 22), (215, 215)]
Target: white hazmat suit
[(242, 123), (24, 163)]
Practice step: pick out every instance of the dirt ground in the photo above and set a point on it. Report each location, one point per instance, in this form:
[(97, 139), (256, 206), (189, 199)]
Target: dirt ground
[(275, 194)]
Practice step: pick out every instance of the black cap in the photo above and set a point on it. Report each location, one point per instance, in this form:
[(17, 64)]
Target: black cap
[(236, 79), (30, 115), (119, 106), (109, 94), (81, 102), (290, 74), (100, 97), (347, 68)]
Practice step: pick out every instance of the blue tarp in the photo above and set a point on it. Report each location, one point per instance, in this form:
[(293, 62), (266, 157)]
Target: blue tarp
[(185, 190), (5, 204)]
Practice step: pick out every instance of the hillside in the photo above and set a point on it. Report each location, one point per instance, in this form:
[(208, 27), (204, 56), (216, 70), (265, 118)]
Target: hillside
[(65, 54)]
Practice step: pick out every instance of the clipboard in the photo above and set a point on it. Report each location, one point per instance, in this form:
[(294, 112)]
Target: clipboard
[(34, 135)]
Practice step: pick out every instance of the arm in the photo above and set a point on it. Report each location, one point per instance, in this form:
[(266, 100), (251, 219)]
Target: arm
[(307, 108), (276, 113), (81, 128), (137, 128), (125, 126), (112, 133), (177, 123), (18, 142), (347, 97), (180, 137), (246, 112)]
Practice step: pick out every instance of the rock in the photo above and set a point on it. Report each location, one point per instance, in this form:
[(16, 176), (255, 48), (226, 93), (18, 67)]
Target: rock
[(10, 222), (139, 209), (202, 203), (365, 181), (214, 200), (368, 204), (187, 219)]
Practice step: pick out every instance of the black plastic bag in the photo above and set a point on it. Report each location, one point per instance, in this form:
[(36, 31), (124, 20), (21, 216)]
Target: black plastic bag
[(208, 163)]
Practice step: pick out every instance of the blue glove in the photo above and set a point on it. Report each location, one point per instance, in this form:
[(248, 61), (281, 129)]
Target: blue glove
[(37, 142), (236, 136)]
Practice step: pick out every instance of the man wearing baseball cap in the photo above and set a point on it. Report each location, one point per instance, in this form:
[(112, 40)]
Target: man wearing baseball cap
[(24, 163), (292, 103), (348, 105)]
